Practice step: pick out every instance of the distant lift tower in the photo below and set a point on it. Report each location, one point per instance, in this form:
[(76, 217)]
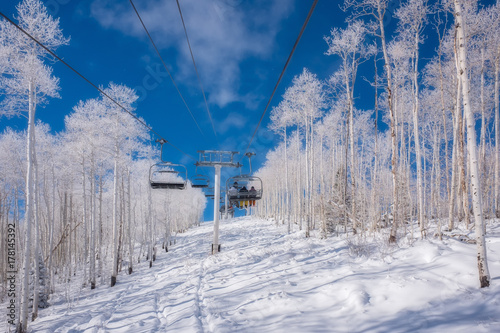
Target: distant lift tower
[(217, 159)]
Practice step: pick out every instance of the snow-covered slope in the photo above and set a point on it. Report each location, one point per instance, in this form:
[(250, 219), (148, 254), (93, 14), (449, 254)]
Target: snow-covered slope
[(267, 281)]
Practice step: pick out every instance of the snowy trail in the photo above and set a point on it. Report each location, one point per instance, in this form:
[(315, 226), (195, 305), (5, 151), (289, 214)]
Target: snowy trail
[(267, 281)]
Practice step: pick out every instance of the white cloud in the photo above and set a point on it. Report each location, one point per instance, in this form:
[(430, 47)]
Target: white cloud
[(232, 121), (223, 34)]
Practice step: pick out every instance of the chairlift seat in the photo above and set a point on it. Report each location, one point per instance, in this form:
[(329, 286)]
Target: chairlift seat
[(172, 186)]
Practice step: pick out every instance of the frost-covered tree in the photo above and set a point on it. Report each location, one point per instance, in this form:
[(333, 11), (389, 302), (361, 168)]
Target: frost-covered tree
[(487, 40), (422, 163), (412, 19), (460, 9), (307, 99), (282, 117), (84, 133), (125, 135), (376, 10), (26, 81), (350, 46)]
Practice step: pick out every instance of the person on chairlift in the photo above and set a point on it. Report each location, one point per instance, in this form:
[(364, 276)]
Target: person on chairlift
[(233, 190), (252, 194), (243, 193)]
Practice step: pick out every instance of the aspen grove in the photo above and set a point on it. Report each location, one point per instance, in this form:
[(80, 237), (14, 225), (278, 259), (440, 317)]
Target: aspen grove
[(96, 214), (79, 199), (425, 160)]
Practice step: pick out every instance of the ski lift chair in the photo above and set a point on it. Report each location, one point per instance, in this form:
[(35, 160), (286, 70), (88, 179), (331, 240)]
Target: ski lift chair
[(166, 175), (200, 181), (246, 181)]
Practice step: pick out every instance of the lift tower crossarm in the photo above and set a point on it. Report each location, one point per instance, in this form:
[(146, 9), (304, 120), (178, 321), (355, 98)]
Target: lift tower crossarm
[(210, 158)]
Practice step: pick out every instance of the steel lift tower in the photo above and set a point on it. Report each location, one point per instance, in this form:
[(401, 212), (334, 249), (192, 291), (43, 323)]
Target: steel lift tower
[(217, 159)]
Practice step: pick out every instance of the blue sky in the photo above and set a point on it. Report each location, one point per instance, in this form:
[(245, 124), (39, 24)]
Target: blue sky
[(240, 48)]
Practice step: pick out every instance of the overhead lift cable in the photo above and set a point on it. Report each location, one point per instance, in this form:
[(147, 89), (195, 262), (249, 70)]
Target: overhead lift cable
[(165, 66), (282, 73), (92, 84), (197, 74)]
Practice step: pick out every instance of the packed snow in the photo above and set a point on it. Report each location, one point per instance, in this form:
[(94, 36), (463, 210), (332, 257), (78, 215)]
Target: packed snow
[(265, 280)]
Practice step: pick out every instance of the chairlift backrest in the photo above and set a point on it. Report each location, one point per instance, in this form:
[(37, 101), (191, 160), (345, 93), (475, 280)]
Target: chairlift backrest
[(200, 181), (166, 175)]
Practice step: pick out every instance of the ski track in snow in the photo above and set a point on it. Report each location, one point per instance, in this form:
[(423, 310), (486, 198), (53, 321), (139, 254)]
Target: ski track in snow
[(267, 281)]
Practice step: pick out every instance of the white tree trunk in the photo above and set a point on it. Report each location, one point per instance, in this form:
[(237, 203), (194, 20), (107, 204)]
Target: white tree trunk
[(131, 243), (85, 222), (453, 182), (387, 65), (497, 134), (99, 233), (352, 148), (476, 192), (307, 172), (36, 256), (375, 206), (51, 232), (92, 225), (464, 199), (462, 193), (298, 185), (311, 176), (437, 181), (67, 224), (287, 186), (445, 127), (149, 228), (29, 211), (116, 227), (482, 142), (416, 134)]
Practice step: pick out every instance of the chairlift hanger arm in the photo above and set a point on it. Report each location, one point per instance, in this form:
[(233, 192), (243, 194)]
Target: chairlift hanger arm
[(250, 155)]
